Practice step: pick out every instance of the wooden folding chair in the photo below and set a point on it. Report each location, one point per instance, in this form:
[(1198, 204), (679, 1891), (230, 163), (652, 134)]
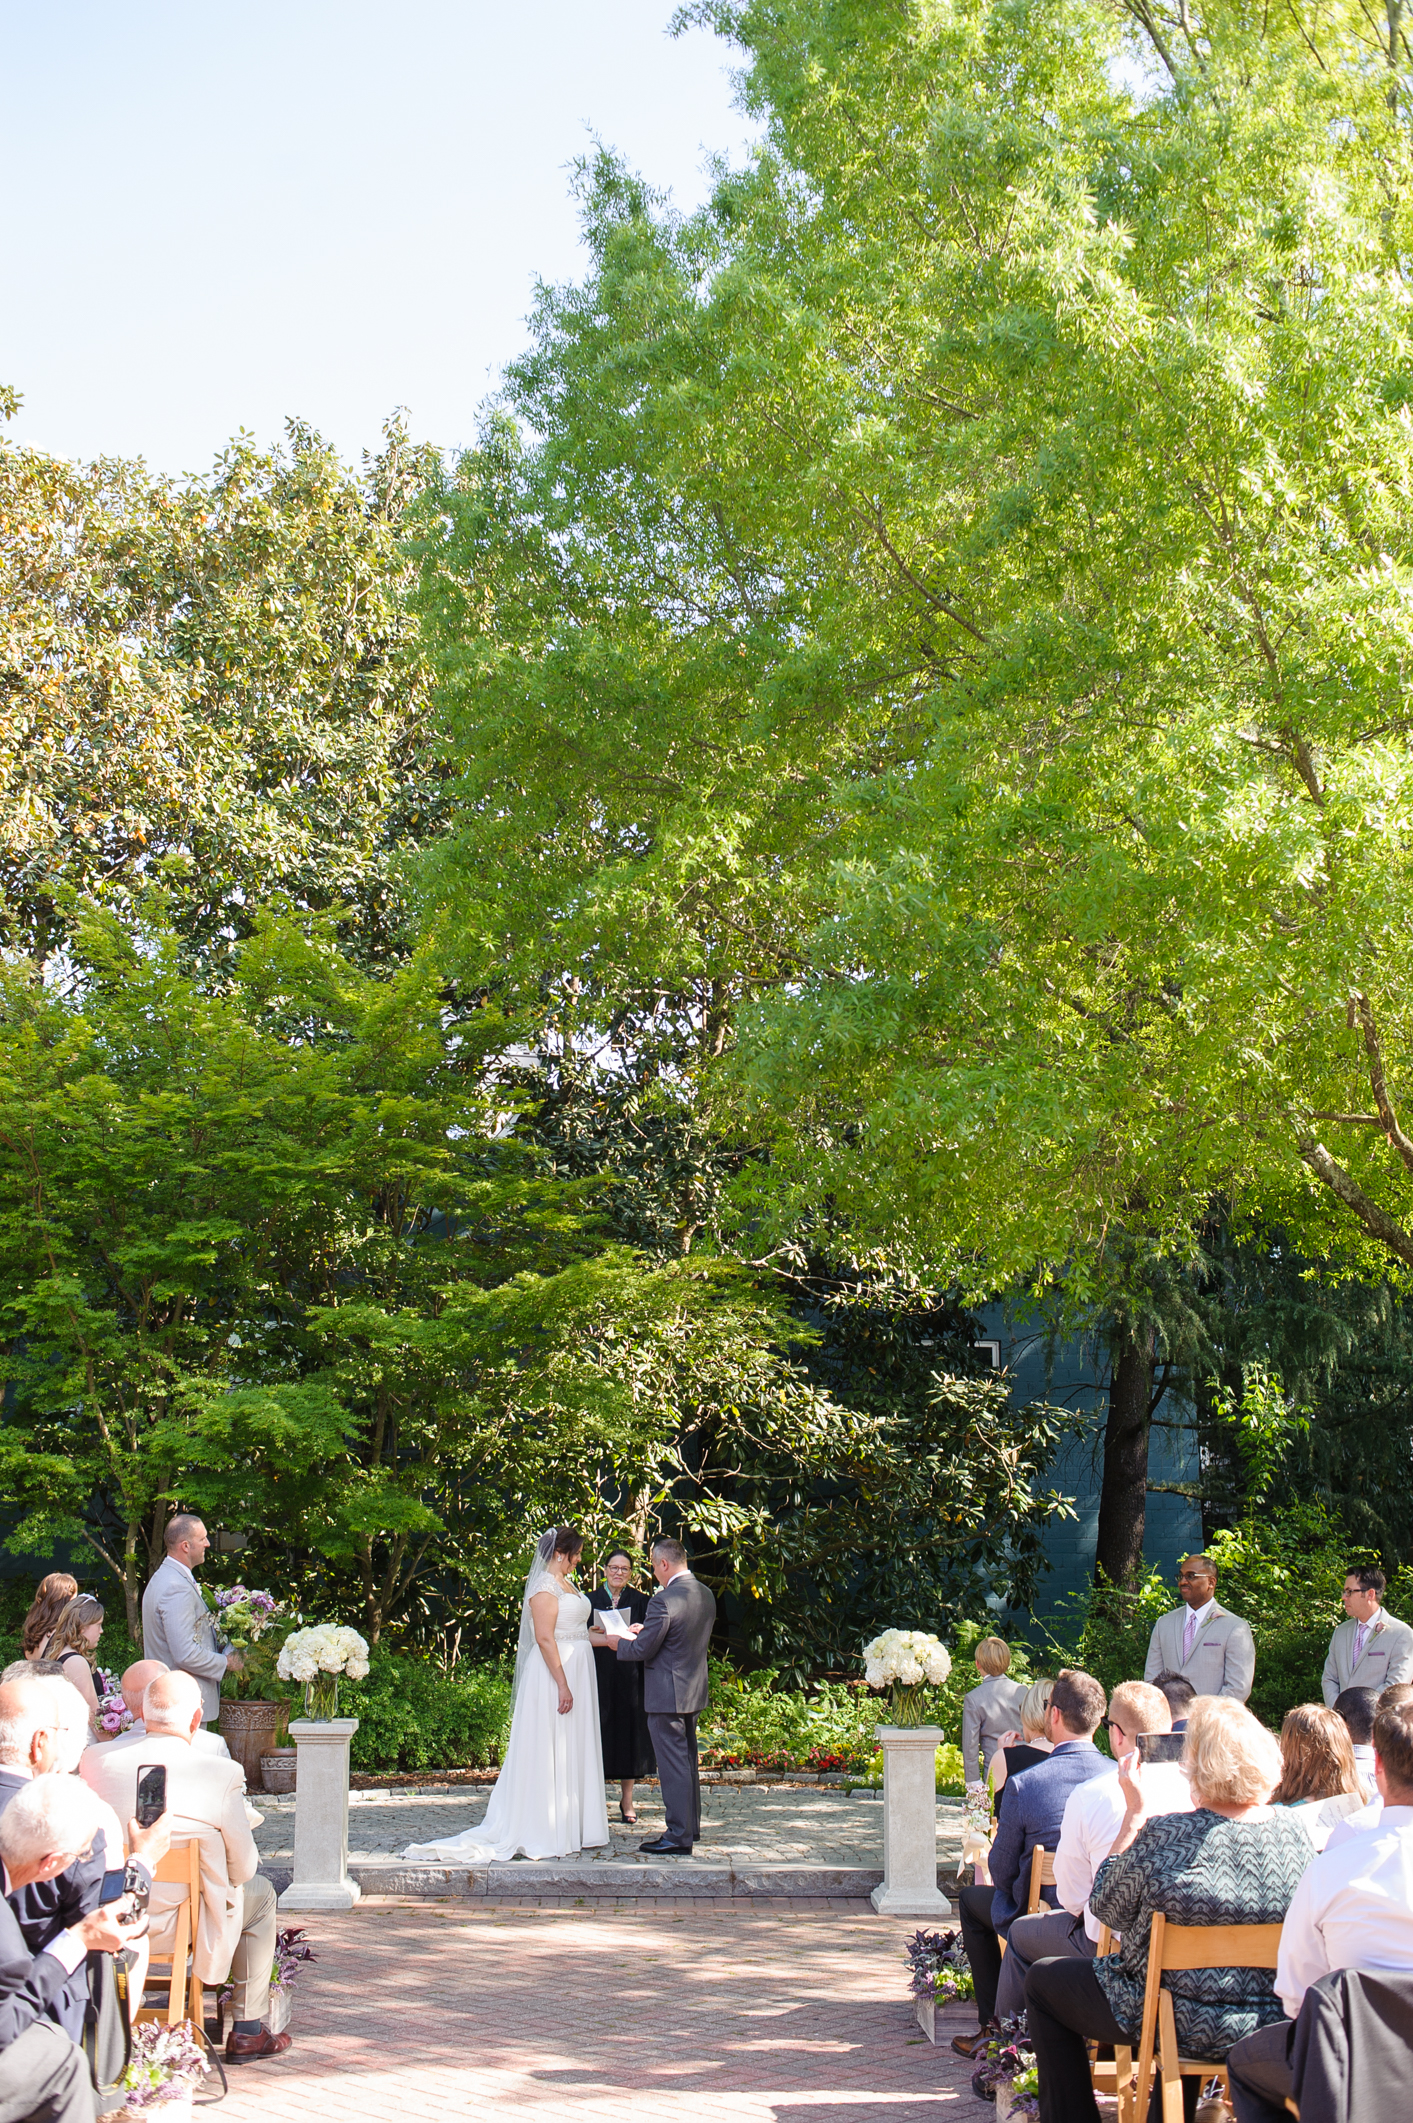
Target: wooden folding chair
[(1042, 1874), (180, 1867), (1114, 2078), (1172, 1946)]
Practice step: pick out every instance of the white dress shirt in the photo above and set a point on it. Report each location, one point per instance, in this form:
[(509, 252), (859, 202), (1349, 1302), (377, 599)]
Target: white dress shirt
[(1352, 1909), (1091, 1822), (1355, 1824)]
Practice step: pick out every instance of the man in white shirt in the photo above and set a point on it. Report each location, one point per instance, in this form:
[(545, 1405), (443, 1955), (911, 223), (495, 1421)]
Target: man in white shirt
[(1356, 1709), (1093, 1816), (1352, 1909)]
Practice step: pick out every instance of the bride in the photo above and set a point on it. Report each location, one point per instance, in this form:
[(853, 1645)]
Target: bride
[(548, 1800)]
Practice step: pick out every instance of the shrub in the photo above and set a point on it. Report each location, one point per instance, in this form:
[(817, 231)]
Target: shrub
[(411, 1715)]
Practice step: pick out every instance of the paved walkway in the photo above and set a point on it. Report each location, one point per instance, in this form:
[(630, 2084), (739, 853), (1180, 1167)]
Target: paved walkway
[(757, 2013), (742, 1825)]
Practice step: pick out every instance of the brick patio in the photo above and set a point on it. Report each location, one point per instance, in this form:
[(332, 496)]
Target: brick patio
[(762, 2010)]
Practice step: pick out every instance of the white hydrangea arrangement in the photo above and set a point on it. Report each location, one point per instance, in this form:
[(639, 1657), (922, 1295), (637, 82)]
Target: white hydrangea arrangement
[(906, 1662), (318, 1658)]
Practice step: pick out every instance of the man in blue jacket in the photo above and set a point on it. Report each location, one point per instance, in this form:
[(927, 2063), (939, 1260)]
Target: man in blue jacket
[(1032, 1808)]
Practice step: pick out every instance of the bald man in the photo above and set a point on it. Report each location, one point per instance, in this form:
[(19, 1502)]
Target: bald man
[(206, 1802), (134, 1686)]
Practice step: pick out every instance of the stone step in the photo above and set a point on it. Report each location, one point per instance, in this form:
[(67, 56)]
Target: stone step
[(673, 1878)]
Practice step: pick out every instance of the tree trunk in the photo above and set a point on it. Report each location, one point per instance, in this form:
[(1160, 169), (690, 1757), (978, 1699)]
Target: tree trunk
[(1123, 1495)]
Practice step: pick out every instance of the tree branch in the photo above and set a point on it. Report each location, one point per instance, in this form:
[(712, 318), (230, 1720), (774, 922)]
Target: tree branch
[(1376, 1221), (1388, 1119)]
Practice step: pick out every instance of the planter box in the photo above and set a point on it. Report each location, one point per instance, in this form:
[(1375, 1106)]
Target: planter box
[(277, 2018), (927, 2016)]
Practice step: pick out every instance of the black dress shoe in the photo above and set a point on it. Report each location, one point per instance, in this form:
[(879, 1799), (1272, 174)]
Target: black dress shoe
[(661, 1848)]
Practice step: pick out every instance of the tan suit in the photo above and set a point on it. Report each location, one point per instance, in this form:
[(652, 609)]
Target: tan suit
[(206, 1799)]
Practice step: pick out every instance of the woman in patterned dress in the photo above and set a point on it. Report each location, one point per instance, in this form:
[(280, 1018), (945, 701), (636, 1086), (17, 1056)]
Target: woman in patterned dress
[(1234, 1860)]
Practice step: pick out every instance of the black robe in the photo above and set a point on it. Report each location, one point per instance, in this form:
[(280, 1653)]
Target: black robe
[(627, 1749)]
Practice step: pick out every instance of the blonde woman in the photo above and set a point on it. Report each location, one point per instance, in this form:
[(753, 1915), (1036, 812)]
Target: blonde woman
[(1235, 1859), (1022, 1750), (73, 1643), (990, 1710)]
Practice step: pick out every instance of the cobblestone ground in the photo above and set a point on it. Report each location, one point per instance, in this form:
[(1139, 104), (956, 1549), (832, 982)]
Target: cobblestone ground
[(747, 1824), (765, 2012)]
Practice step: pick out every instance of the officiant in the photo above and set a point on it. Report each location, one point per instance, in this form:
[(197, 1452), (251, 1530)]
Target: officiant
[(623, 1726)]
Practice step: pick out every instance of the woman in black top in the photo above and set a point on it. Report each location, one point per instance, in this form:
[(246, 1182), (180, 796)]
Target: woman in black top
[(627, 1749)]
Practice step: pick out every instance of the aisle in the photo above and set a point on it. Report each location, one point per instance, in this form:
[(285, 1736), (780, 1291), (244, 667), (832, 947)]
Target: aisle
[(758, 2012)]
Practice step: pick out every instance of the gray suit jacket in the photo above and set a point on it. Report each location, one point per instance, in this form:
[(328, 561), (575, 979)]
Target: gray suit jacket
[(177, 1629), (987, 1712), (1387, 1657), (673, 1646), (1223, 1660)]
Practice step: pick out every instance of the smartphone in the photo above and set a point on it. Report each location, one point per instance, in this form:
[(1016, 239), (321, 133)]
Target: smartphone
[(1160, 1746), (151, 1793)]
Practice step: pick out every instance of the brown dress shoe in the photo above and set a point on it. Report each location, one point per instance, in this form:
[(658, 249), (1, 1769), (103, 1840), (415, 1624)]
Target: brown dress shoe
[(245, 2049), (968, 2045)]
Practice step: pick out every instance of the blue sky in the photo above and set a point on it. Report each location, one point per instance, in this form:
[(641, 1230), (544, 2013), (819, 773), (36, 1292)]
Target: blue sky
[(223, 212)]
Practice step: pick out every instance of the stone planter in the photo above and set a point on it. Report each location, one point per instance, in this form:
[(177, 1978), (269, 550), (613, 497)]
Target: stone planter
[(1006, 2109), (909, 1887), (927, 2016), (321, 1879), (277, 2017), (277, 1768), (177, 2110), (249, 1729)]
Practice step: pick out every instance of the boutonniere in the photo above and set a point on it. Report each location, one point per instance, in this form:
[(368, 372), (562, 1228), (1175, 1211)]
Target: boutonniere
[(1378, 1628)]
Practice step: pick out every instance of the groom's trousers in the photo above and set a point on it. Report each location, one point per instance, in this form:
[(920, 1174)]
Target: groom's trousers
[(674, 1738)]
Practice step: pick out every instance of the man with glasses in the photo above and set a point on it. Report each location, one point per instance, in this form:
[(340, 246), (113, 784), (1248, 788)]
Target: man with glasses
[(1370, 1649), (1202, 1640), (45, 1832)]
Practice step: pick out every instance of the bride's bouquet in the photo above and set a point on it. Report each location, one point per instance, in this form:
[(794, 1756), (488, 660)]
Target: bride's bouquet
[(318, 1657), (907, 1662)]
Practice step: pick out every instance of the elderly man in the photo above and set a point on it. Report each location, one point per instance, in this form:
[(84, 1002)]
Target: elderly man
[(44, 2075), (1202, 1641), (134, 1686), (1369, 1649), (177, 1630), (205, 1800)]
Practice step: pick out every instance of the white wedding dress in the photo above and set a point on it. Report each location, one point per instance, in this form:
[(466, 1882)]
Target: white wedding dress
[(548, 1800)]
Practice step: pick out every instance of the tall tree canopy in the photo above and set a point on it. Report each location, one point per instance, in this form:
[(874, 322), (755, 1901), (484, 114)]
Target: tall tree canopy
[(952, 618)]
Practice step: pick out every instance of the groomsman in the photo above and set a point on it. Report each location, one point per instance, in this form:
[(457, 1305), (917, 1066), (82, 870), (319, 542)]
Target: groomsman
[(1202, 1641), (1369, 1649)]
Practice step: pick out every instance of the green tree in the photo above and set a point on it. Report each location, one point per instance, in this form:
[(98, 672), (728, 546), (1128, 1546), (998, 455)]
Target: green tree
[(954, 613)]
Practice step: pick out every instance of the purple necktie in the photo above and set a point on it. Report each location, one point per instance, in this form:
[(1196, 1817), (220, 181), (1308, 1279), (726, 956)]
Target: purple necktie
[(1188, 1633), (1359, 1635)]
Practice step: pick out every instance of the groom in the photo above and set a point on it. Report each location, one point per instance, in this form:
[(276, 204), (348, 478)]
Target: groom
[(671, 1641)]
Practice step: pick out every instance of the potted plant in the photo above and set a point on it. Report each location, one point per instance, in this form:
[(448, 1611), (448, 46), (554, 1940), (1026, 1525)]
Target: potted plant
[(290, 1951), (165, 2067), (1007, 2074), (252, 1706), (940, 1975)]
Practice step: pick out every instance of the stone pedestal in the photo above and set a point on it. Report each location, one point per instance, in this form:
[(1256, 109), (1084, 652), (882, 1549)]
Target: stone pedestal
[(321, 1878), (909, 1886)]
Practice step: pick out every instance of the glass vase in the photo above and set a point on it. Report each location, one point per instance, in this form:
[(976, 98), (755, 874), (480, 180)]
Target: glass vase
[(321, 1697), (907, 1706)]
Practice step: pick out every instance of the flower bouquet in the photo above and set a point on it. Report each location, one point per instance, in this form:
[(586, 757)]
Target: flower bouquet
[(244, 1618), (907, 1662), (939, 1967), (112, 1715), (1006, 2073), (317, 1658), (165, 2067)]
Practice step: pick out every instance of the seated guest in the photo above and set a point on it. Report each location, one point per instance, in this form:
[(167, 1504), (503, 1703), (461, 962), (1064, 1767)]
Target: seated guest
[(1357, 1706), (31, 1670), (1233, 1860), (1022, 1750), (1318, 1776), (990, 1710), (1181, 1696), (1395, 1693), (1353, 1909), (205, 1799), (55, 1902), (133, 1686), (1032, 1808), (1093, 1816), (44, 2075), (52, 1596)]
